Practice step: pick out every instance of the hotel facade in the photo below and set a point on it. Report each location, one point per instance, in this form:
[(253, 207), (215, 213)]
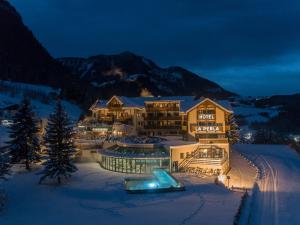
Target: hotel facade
[(202, 123)]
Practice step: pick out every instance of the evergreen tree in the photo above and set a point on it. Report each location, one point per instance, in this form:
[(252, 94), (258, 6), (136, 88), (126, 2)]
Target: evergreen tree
[(24, 143), (233, 133), (4, 163), (265, 135), (59, 146)]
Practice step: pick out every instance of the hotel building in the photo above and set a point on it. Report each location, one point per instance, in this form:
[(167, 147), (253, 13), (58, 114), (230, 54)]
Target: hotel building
[(202, 123)]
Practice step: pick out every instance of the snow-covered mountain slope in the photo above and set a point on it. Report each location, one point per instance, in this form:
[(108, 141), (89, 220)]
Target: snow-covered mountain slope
[(26, 60), (25, 86), (254, 114), (42, 99), (14, 92), (129, 74)]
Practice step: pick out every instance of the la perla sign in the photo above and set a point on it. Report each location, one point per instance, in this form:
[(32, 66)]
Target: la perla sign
[(208, 128)]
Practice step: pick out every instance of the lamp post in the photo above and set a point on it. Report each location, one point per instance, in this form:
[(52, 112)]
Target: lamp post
[(228, 178)]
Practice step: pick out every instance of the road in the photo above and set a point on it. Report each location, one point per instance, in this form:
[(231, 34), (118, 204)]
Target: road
[(278, 196)]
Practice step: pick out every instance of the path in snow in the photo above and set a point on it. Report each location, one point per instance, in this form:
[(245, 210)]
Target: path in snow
[(277, 201), (242, 173)]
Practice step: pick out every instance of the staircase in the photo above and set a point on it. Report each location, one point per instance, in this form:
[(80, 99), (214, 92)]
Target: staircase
[(184, 163)]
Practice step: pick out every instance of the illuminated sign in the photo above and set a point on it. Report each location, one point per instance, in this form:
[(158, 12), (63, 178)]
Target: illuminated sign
[(208, 128), (97, 129), (206, 116)]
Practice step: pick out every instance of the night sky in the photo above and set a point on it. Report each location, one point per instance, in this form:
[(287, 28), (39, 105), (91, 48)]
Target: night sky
[(251, 47)]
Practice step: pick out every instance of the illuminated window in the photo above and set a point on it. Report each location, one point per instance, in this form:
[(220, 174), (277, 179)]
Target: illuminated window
[(181, 155)]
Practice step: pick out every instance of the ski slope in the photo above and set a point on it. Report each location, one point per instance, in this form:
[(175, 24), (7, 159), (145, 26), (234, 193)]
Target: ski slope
[(277, 199)]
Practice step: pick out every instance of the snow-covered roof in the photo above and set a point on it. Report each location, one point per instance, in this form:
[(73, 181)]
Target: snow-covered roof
[(186, 102)]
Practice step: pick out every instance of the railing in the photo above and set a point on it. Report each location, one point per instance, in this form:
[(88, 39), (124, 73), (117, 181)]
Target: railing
[(121, 119), (150, 109), (207, 161), (186, 161), (162, 127), (213, 140), (162, 118), (106, 118), (114, 118)]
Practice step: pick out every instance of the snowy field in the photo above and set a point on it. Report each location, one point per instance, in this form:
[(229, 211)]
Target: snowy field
[(42, 110), (95, 196), (253, 114), (278, 197)]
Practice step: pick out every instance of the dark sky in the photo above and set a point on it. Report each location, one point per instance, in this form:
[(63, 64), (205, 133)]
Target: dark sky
[(248, 46)]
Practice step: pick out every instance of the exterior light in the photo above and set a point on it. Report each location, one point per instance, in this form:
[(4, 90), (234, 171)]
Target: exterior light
[(221, 178), (152, 185)]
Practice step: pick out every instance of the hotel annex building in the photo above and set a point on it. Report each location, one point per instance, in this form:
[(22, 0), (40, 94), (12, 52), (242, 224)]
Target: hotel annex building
[(202, 123)]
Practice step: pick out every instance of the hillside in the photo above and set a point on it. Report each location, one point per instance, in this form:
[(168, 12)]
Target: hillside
[(132, 75), (24, 59)]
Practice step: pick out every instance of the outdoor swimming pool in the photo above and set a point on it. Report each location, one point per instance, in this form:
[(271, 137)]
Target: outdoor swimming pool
[(162, 181)]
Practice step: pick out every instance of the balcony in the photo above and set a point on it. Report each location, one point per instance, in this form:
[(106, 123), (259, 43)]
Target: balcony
[(105, 118), (162, 117), (111, 118), (124, 119), (213, 140), (155, 127), (155, 109)]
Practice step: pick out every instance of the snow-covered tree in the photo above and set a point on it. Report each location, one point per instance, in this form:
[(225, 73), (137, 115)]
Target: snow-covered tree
[(60, 147), (24, 143), (4, 163), (233, 133), (265, 135)]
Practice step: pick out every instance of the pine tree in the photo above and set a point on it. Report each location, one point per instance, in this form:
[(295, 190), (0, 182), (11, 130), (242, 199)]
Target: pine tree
[(233, 133), (59, 146), (24, 143), (4, 163)]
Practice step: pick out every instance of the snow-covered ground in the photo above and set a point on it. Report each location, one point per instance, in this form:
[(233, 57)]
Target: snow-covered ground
[(32, 87), (253, 114), (242, 173), (14, 92), (277, 201), (94, 196), (42, 110)]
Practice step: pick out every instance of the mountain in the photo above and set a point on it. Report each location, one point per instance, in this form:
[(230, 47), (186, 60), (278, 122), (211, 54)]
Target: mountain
[(287, 120), (132, 75), (24, 59)]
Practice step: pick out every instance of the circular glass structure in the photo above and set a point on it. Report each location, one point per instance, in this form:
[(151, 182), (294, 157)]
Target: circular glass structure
[(134, 160)]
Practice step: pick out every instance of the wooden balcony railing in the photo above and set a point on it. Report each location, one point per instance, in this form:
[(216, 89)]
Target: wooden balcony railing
[(162, 127), (155, 109), (162, 117)]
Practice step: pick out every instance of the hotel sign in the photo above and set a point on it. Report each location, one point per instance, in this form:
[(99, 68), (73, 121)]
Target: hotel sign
[(207, 127), (206, 116)]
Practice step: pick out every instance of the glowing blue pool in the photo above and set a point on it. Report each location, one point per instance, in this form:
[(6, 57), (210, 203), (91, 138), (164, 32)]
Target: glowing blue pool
[(162, 181)]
